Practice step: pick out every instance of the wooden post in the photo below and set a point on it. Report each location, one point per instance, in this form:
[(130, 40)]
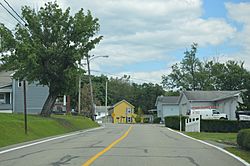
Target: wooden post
[(25, 107), (68, 104)]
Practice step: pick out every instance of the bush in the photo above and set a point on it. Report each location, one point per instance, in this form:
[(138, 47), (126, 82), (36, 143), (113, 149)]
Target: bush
[(212, 125), (244, 124), (173, 122), (138, 119), (157, 120), (243, 139)]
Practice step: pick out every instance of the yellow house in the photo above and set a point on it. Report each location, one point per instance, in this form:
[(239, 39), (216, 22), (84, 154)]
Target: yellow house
[(122, 112)]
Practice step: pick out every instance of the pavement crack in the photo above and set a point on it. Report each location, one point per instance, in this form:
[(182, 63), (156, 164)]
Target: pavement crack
[(64, 160), (22, 156), (170, 137)]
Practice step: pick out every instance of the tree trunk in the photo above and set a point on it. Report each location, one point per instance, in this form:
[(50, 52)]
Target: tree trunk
[(48, 105)]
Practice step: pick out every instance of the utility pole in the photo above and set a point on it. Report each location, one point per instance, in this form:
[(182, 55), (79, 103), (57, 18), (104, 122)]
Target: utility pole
[(79, 95), (106, 102), (91, 92), (25, 107)]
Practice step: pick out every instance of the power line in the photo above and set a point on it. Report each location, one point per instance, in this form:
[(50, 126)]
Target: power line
[(133, 78), (11, 14), (15, 12)]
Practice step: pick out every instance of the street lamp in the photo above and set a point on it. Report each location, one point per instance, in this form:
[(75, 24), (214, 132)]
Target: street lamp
[(90, 83)]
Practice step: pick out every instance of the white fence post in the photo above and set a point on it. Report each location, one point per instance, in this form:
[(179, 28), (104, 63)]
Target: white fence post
[(193, 124)]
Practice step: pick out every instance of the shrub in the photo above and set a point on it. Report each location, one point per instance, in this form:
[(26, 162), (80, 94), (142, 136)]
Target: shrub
[(244, 124), (212, 125), (138, 119), (243, 139), (157, 120), (173, 122)]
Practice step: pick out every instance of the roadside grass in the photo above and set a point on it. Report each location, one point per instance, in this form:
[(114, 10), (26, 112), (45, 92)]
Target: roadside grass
[(226, 138), (240, 152), (12, 127)]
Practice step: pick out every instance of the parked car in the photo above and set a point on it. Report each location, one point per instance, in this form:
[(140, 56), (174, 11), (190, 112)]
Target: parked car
[(238, 113), (207, 114)]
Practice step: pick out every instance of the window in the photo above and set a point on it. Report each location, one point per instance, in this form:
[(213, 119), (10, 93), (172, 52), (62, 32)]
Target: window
[(19, 83), (2, 98), (128, 110)]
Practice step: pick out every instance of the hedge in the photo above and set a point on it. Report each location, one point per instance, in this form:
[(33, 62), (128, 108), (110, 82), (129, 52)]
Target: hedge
[(209, 125), (157, 120), (219, 125), (212, 125), (173, 122), (243, 139)]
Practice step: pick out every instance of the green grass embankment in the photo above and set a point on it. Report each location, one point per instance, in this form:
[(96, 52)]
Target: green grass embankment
[(12, 127)]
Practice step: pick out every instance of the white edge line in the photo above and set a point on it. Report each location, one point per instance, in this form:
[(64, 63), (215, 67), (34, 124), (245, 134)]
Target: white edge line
[(50, 139), (223, 150)]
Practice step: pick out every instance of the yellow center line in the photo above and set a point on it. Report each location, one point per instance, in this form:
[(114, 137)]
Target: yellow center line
[(92, 159)]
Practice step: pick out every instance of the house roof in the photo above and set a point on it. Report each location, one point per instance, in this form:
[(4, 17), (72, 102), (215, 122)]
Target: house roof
[(209, 95), (101, 108), (167, 99), (5, 78), (121, 102)]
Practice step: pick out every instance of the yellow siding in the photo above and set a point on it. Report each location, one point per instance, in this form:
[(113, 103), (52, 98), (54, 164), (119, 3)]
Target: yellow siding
[(120, 113)]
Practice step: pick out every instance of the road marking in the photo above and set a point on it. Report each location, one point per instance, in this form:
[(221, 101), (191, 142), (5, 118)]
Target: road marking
[(223, 150), (47, 140), (92, 159)]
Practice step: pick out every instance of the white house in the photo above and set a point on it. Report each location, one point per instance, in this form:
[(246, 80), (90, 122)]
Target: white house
[(167, 106), (224, 101), (101, 112)]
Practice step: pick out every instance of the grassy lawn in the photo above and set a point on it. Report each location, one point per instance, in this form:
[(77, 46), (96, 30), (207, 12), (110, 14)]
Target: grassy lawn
[(228, 138), (12, 127), (217, 137)]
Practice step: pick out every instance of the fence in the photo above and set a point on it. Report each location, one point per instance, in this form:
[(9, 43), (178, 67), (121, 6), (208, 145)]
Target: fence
[(193, 124)]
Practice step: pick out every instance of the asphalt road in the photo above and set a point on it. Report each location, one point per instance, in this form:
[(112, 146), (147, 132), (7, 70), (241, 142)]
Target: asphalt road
[(145, 145)]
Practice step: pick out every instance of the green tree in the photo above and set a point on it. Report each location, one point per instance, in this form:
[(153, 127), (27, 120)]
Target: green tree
[(47, 50), (184, 74)]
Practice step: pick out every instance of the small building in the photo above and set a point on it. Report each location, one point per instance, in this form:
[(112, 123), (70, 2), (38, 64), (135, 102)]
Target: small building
[(122, 112), (224, 101), (101, 113), (167, 106)]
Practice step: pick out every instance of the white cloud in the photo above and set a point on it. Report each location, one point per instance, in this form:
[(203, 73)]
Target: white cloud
[(148, 30), (152, 76), (240, 13)]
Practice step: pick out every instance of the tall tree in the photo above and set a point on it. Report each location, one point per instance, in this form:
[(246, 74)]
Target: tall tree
[(184, 74), (47, 50)]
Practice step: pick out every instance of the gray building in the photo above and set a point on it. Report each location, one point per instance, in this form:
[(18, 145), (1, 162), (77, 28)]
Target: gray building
[(101, 112), (11, 95), (167, 106), (224, 101)]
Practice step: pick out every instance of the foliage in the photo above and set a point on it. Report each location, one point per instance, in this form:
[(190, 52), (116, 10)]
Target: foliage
[(157, 120), (208, 125), (212, 125), (47, 50), (243, 139), (142, 96), (194, 74), (173, 122)]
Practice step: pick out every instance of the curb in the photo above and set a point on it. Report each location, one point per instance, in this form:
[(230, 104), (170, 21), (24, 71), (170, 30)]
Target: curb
[(49, 139), (216, 147)]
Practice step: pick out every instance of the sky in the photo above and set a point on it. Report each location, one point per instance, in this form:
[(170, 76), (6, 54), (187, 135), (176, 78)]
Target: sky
[(144, 38)]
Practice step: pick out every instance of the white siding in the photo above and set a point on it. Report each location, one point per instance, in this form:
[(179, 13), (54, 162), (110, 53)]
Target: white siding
[(170, 110)]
